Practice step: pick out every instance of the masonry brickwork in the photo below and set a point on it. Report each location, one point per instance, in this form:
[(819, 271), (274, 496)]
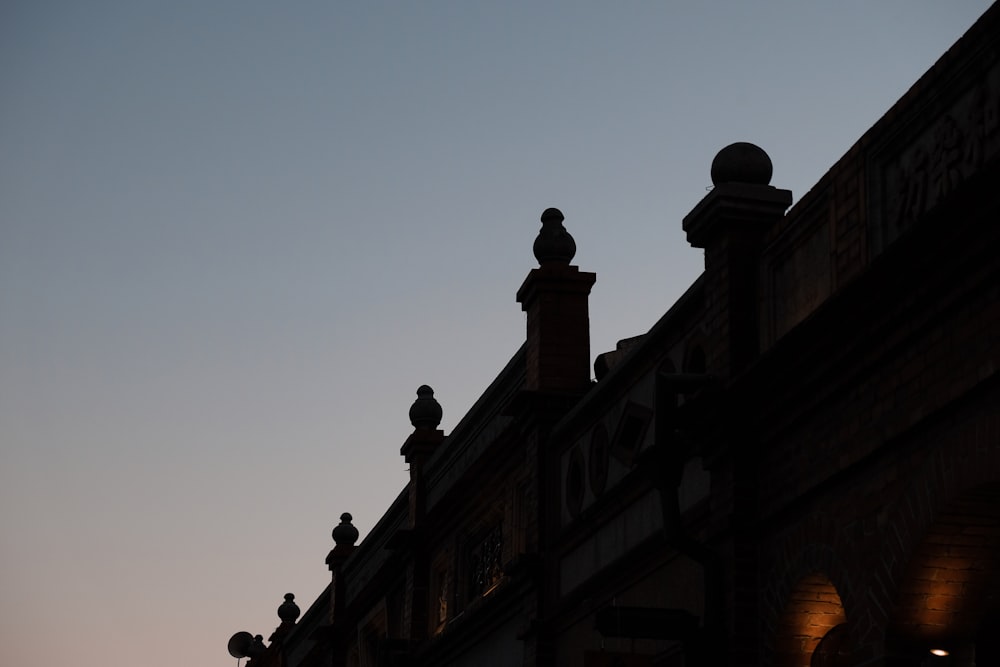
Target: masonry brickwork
[(797, 465)]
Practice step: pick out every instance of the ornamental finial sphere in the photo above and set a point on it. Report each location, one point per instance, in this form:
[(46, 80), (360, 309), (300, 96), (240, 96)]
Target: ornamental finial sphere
[(554, 243), (552, 215), (426, 411), (742, 162), (288, 611), (345, 534)]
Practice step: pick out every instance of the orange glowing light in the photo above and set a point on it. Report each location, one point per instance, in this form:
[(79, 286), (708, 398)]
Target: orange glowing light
[(939, 652)]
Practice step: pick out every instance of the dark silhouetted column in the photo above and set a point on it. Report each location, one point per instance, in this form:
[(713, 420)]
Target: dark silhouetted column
[(555, 297)]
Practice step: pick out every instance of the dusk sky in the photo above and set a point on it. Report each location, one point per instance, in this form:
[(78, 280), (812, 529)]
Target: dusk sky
[(236, 236)]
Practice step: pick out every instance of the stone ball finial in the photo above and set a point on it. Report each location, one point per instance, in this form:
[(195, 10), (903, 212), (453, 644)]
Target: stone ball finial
[(345, 534), (742, 162), (426, 411), (554, 243), (288, 611)]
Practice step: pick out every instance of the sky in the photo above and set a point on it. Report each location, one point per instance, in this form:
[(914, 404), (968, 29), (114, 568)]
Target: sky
[(236, 236)]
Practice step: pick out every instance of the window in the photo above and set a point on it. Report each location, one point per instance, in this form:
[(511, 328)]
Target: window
[(486, 563)]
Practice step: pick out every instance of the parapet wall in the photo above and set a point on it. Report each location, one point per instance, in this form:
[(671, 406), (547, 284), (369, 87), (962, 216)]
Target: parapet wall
[(934, 140)]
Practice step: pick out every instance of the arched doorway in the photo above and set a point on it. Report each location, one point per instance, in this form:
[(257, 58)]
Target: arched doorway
[(948, 600)]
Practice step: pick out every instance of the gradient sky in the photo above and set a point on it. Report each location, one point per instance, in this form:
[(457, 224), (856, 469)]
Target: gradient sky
[(235, 236)]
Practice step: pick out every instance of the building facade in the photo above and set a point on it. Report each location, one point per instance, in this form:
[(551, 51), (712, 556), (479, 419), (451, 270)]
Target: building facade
[(797, 465)]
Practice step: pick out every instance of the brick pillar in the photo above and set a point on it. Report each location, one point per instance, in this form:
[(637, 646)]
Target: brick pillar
[(555, 297), (425, 415), (344, 536), (729, 223)]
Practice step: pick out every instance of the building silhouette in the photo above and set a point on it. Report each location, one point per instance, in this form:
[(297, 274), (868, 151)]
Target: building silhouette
[(797, 465)]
